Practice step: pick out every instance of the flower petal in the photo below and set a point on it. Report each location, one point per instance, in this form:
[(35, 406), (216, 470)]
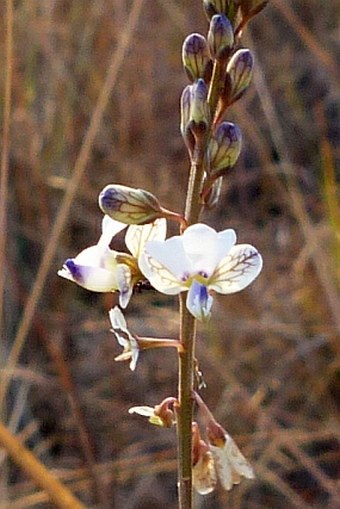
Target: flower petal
[(110, 228), (127, 340), (137, 236), (171, 255), (199, 301), (205, 247), (159, 275), (117, 320), (204, 475), (145, 411), (95, 279), (124, 283), (199, 243), (134, 354), (236, 270), (230, 464), (91, 256)]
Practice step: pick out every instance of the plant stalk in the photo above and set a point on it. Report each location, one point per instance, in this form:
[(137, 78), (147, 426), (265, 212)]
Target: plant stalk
[(188, 338), (193, 209)]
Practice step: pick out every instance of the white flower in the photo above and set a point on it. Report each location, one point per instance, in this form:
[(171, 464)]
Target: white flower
[(147, 411), (204, 474), (203, 466), (100, 269), (200, 261), (230, 463), (127, 340), (95, 267), (160, 415)]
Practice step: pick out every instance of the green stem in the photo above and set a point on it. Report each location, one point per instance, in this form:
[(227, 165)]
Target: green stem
[(188, 337), (188, 323), (185, 414), (216, 86)]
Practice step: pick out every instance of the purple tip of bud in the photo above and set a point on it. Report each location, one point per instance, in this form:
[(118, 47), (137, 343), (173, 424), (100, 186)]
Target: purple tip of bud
[(230, 131), (246, 57), (200, 88), (220, 23), (108, 199), (74, 269), (194, 44)]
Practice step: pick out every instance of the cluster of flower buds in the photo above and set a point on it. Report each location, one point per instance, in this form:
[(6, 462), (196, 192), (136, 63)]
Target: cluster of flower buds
[(238, 11), (219, 73)]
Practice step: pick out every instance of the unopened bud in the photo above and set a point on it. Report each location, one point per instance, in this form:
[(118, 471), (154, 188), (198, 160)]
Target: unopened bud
[(185, 118), (129, 205), (224, 147), (239, 75), (213, 7), (227, 7), (195, 57), (220, 36), (214, 193), (199, 108)]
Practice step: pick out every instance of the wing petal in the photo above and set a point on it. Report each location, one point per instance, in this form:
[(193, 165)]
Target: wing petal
[(236, 270), (137, 236), (159, 276)]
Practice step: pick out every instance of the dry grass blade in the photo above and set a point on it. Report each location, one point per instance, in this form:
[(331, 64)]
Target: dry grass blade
[(307, 37), (5, 153), (71, 191), (58, 494)]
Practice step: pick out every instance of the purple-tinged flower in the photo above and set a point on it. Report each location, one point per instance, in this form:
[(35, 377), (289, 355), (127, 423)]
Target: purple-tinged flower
[(101, 269), (200, 261)]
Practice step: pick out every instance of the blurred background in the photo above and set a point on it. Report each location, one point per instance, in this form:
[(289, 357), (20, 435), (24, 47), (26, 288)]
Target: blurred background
[(95, 100)]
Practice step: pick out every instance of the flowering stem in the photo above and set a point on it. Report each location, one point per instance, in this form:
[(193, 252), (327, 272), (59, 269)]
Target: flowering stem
[(188, 323), (184, 417), (187, 337), (216, 85)]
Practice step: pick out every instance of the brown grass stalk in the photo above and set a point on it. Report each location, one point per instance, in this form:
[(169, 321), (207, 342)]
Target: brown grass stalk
[(5, 153), (41, 476), (71, 191)]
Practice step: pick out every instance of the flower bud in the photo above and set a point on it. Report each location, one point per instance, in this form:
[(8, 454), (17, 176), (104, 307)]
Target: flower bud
[(224, 147), (213, 195), (185, 118), (129, 205), (213, 7), (227, 7), (239, 75), (199, 108), (195, 57), (220, 36)]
